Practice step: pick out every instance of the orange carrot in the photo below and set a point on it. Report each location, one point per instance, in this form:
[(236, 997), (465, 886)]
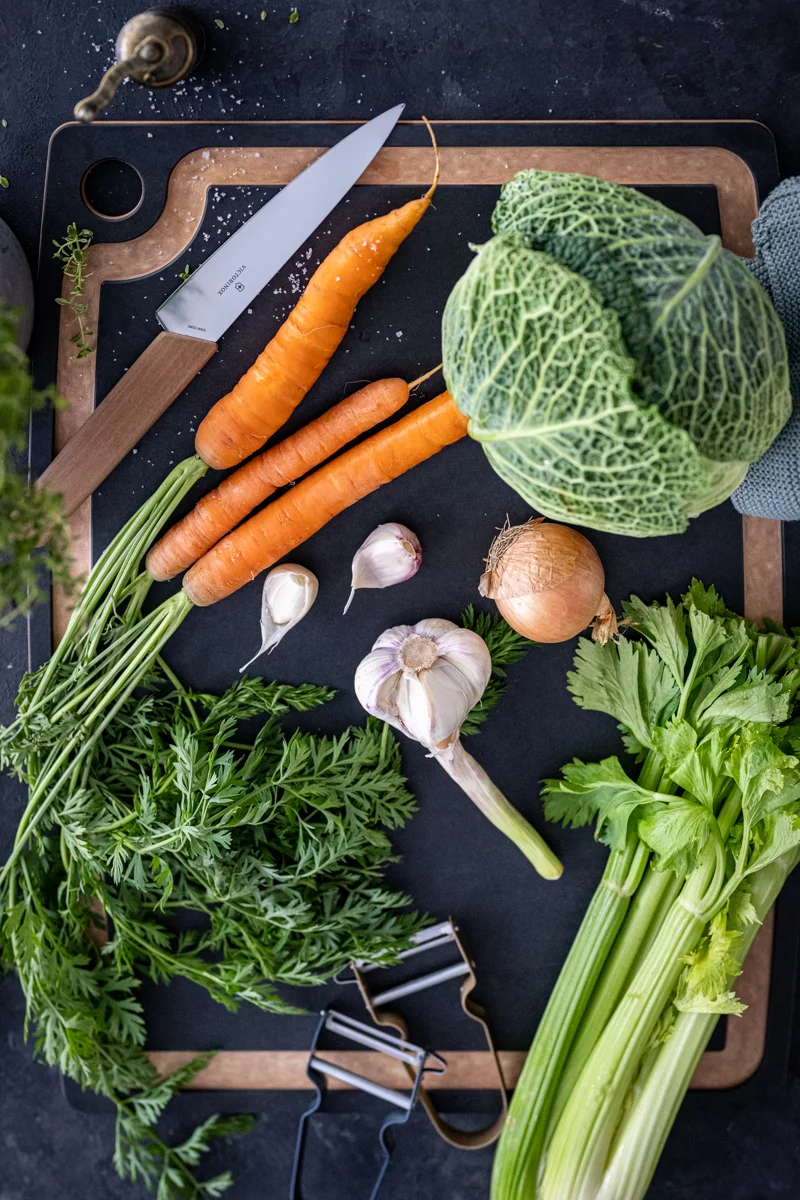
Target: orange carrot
[(304, 509), (236, 497), (264, 399)]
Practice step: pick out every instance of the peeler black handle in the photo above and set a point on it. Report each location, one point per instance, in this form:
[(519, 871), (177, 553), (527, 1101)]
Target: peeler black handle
[(385, 1136)]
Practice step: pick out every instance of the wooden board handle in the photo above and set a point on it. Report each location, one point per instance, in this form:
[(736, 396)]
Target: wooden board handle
[(146, 391)]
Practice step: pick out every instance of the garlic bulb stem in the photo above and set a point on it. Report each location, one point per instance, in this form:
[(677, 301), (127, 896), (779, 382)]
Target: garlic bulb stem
[(424, 679), (472, 779)]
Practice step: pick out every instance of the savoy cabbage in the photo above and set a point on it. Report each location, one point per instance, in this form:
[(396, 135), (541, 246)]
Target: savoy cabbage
[(620, 368)]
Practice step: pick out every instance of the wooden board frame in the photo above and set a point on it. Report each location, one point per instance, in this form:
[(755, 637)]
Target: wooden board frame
[(166, 241)]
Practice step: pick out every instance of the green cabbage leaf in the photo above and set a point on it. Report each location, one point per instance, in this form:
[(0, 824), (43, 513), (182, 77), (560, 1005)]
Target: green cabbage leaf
[(549, 393), (620, 367)]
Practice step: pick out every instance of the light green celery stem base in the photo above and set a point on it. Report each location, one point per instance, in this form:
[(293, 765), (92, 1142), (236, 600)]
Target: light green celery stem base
[(647, 1124), (657, 893), (582, 1140), (516, 1160), (472, 779), (579, 1146)]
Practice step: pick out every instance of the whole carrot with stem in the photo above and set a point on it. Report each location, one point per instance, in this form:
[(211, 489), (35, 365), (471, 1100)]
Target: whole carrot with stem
[(103, 678), (267, 395), (235, 498), (304, 509)]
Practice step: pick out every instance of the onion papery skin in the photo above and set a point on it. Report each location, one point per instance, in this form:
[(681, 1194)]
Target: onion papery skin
[(546, 579)]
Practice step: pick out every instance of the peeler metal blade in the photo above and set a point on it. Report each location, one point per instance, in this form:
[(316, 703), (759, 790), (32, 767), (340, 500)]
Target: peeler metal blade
[(443, 933), (415, 1060)]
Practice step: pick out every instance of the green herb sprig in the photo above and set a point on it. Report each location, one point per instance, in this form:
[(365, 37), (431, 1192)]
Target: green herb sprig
[(505, 646), (72, 252), (28, 516)]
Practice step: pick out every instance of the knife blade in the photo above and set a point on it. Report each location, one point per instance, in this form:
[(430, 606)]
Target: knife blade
[(205, 306)]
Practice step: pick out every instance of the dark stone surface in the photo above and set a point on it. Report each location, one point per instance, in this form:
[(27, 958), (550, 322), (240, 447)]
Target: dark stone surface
[(458, 59)]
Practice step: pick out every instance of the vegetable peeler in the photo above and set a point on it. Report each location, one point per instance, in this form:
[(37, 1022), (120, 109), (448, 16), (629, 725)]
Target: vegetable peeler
[(319, 1069), (434, 937)]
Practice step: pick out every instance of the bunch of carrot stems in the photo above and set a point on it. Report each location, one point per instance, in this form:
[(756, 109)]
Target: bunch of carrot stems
[(107, 651)]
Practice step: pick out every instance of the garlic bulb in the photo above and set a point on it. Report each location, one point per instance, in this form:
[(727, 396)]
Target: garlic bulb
[(424, 679), (391, 554), (288, 593)]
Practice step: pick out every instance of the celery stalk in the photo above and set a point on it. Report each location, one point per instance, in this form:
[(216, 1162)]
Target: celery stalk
[(656, 895), (519, 1151), (580, 1145), (577, 1153), (658, 891), (517, 1157), (648, 1122)]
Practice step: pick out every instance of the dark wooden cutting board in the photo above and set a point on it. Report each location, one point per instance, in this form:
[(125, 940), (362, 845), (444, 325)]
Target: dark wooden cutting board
[(200, 180)]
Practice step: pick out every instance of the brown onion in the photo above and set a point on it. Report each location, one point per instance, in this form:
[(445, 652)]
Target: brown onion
[(548, 582)]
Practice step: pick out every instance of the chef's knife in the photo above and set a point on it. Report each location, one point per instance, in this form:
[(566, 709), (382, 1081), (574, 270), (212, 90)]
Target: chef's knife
[(199, 312)]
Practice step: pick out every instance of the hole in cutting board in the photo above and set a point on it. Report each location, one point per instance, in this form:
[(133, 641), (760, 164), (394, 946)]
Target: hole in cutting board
[(112, 189)]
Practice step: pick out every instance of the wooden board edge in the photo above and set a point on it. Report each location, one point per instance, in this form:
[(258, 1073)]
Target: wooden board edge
[(735, 185)]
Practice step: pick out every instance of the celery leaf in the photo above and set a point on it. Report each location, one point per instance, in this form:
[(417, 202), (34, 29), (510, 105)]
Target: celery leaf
[(703, 987), (740, 910), (693, 766), (765, 775), (715, 684), (664, 626), (761, 700), (601, 791), (777, 834), (706, 599), (626, 680), (708, 633), (677, 834)]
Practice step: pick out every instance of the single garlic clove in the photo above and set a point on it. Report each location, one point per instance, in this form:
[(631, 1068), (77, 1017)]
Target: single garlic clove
[(376, 682), (434, 703), (288, 593), (470, 652), (391, 554)]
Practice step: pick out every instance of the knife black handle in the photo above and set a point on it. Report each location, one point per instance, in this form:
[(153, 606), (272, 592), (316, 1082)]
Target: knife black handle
[(143, 393)]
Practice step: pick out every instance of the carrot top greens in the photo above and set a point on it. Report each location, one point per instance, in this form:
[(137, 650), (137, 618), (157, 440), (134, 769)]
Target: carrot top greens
[(165, 804)]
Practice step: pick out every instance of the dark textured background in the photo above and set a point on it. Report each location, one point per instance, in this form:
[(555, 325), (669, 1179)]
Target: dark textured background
[(456, 58)]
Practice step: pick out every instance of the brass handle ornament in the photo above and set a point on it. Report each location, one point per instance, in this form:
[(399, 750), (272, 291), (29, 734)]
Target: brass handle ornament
[(155, 48)]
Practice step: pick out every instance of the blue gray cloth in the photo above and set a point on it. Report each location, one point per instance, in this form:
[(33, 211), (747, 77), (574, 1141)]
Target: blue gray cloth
[(771, 487)]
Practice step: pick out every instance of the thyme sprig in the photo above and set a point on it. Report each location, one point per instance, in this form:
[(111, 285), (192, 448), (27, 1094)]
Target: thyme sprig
[(72, 252)]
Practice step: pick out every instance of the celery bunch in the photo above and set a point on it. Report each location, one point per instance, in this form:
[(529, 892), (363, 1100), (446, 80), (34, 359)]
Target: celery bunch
[(701, 843)]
